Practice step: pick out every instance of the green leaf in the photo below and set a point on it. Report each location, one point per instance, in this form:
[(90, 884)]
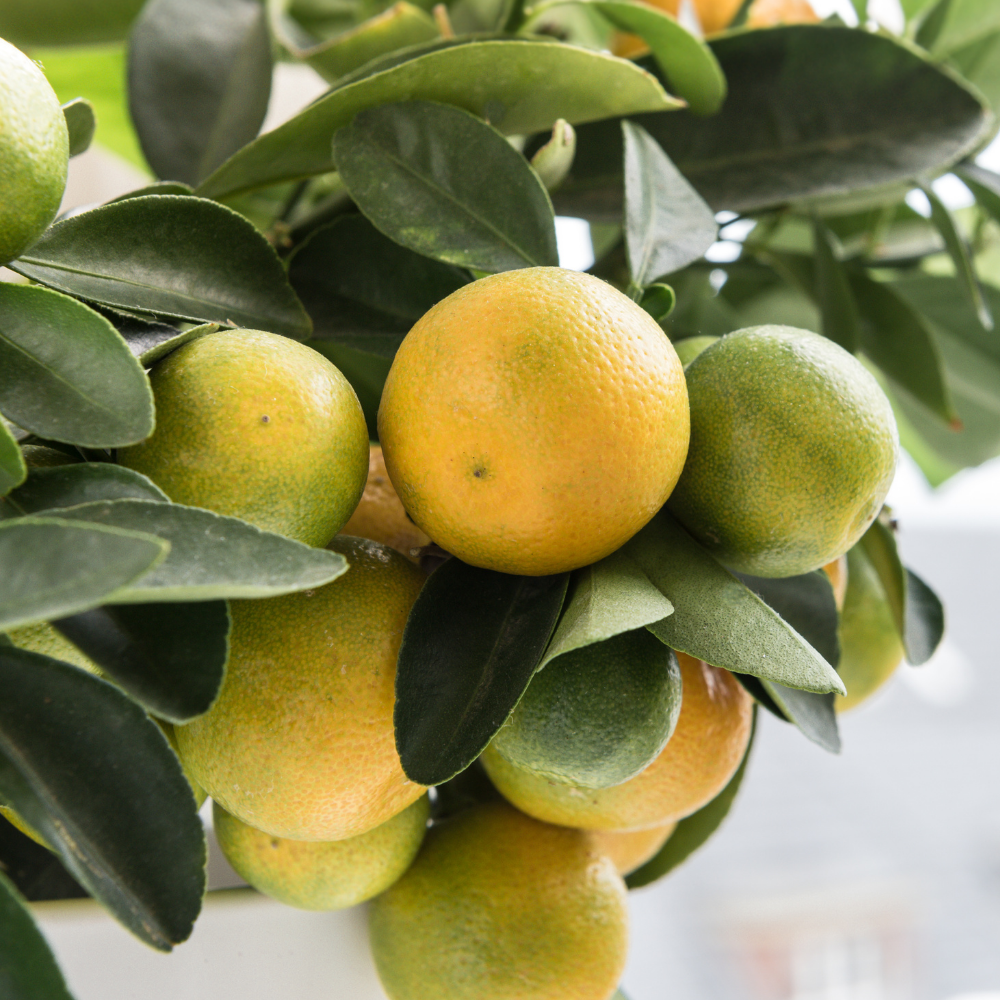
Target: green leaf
[(521, 86), (719, 620), (898, 340), (54, 567), (960, 255), (95, 395), (170, 255), (606, 599), (961, 23), (87, 768), (366, 372), (438, 180), (667, 225), (979, 64), (879, 544), (81, 122), (211, 556), (813, 713), (69, 485), (694, 830), (162, 348), (364, 290), (552, 161), (199, 79), (471, 645), (837, 307), (149, 340), (28, 969), (930, 23), (171, 658), (12, 468), (984, 184), (658, 301), (160, 187)]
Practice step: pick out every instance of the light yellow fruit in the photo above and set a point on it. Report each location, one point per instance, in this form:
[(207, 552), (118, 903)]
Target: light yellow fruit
[(300, 742), (533, 421), (711, 737), (632, 849), (498, 906)]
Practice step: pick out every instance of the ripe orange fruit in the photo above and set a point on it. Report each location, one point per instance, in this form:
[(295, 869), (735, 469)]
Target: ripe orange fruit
[(633, 848), (712, 734), (259, 427), (767, 13), (533, 421), (325, 875), (300, 742), (498, 906), (380, 515), (793, 449)]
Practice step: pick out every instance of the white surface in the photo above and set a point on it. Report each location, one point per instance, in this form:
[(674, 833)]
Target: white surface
[(969, 501)]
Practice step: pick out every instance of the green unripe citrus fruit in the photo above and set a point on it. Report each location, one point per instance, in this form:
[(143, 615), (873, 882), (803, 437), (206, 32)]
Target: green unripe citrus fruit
[(498, 906), (34, 152), (324, 875), (596, 716), (259, 427), (793, 449)]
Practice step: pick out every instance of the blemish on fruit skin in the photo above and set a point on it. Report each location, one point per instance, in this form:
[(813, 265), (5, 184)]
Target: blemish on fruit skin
[(265, 419)]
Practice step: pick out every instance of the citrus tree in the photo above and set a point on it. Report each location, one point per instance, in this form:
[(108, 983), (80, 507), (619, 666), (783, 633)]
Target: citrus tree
[(431, 172)]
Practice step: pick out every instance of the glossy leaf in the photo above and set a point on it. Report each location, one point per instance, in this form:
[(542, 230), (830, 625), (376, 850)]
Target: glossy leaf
[(28, 969), (81, 123), (199, 80), (659, 301), (813, 713), (54, 567), (171, 256), (87, 768), (667, 225), (694, 830), (156, 351), (837, 307), (95, 395), (606, 599), (471, 644), (12, 468), (960, 255), (211, 556), (363, 289), (84, 482), (170, 658), (718, 619), (445, 184), (520, 86)]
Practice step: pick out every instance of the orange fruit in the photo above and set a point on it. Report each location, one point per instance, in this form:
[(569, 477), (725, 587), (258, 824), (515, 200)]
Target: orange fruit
[(380, 515), (711, 737), (836, 571), (633, 848), (533, 421), (300, 742), (498, 906), (768, 13)]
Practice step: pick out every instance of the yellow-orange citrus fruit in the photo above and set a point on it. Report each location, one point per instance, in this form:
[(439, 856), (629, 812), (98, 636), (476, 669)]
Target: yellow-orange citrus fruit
[(323, 875), (533, 421), (380, 515), (631, 849), (768, 13), (300, 742), (713, 16), (793, 449), (836, 571), (260, 427), (34, 152), (498, 906), (711, 737)]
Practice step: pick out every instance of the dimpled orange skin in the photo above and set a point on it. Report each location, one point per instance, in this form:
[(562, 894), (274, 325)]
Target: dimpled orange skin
[(498, 906), (533, 421), (711, 737), (259, 427), (633, 848), (300, 742)]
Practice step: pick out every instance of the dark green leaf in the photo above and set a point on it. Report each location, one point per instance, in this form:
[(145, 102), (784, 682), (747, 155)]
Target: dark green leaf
[(87, 768), (837, 307), (924, 620), (160, 187), (984, 184), (169, 255), (521, 86), (211, 556), (199, 79), (150, 341), (960, 255), (667, 225), (470, 647), (12, 468), (719, 620), (95, 395), (693, 830), (170, 658), (69, 485), (81, 122), (813, 713), (54, 567), (445, 184), (28, 969), (658, 301), (364, 290)]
